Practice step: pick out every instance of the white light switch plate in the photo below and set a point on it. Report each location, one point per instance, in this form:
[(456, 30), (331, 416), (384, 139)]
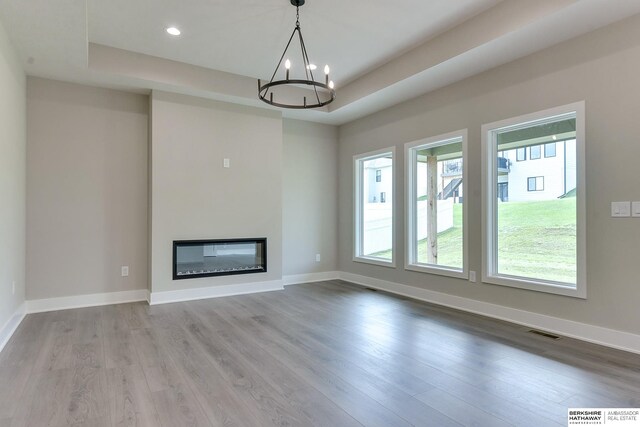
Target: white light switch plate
[(635, 209), (620, 209), (226, 163), (125, 270)]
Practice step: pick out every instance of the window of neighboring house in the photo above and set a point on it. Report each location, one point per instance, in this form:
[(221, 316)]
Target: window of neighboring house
[(536, 238), (503, 191), (535, 152), (535, 183), (374, 222), (521, 154), (436, 205), (550, 149)]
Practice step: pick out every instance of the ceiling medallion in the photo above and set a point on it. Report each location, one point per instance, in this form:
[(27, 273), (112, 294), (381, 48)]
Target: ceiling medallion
[(322, 93)]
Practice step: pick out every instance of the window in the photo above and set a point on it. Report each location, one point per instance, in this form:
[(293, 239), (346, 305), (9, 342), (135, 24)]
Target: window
[(436, 208), (550, 149), (535, 239), (503, 191), (521, 154), (535, 183), (374, 236), (535, 152)]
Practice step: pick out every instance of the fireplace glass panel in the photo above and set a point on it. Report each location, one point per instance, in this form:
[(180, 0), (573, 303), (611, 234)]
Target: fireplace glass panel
[(203, 258)]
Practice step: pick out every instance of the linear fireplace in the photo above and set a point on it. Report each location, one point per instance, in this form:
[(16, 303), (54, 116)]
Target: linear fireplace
[(220, 257)]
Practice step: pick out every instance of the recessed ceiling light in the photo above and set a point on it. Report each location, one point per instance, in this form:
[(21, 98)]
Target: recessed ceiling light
[(173, 31), (312, 66)]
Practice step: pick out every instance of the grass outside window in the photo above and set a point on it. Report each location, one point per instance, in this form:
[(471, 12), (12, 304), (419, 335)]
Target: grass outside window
[(543, 246)]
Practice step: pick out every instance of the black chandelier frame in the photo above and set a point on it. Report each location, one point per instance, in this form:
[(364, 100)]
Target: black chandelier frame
[(265, 91)]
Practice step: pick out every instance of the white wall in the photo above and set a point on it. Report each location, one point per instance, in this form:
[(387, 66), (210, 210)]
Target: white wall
[(600, 68), (195, 197), (86, 189), (310, 197), (90, 195), (444, 217), (12, 181)]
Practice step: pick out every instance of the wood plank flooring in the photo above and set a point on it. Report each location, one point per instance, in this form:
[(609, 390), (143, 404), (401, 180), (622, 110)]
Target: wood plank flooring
[(323, 354)]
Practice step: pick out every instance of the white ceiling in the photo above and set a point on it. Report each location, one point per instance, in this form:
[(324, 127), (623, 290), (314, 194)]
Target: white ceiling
[(248, 37), (380, 52)]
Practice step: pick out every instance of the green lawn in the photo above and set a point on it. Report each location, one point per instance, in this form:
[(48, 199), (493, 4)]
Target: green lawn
[(541, 246), (535, 239), (449, 243)]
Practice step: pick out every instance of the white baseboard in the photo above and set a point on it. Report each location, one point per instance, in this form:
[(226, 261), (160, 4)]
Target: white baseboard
[(12, 324), (296, 279), (213, 292), (91, 300), (582, 331)]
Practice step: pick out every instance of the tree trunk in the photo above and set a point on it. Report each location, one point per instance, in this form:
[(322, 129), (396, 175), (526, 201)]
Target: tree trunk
[(432, 210)]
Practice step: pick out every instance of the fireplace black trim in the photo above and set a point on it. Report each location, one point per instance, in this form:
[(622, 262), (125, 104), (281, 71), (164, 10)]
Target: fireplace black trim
[(177, 243)]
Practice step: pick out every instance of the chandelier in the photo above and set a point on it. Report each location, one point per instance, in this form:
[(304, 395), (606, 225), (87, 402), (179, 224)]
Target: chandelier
[(323, 92)]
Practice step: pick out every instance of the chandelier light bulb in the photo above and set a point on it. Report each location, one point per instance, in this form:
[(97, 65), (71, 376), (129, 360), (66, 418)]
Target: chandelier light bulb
[(287, 65), (312, 66), (331, 85), (327, 69)]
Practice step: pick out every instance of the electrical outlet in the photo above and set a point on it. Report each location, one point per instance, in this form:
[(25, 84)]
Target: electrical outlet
[(317, 257), (472, 276), (125, 270), (13, 288)]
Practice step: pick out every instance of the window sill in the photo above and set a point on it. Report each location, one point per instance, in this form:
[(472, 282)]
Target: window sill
[(441, 271), (538, 286), (375, 261)]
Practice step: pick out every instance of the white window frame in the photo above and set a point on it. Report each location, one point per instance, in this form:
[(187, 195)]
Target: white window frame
[(555, 149), (535, 182), (540, 147), (489, 202), (358, 161), (411, 262)]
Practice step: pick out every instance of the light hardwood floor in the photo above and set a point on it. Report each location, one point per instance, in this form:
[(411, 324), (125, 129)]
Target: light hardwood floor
[(327, 354)]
